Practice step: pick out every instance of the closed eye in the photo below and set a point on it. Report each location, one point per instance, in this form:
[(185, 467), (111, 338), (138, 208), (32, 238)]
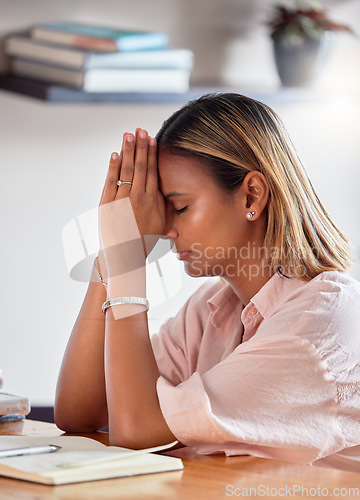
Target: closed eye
[(180, 211)]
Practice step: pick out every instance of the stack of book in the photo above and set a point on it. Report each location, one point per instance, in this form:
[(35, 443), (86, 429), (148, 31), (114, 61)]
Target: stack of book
[(12, 407), (99, 59)]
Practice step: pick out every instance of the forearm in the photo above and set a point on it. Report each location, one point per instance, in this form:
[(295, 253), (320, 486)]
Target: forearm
[(80, 403), (109, 372), (135, 417)]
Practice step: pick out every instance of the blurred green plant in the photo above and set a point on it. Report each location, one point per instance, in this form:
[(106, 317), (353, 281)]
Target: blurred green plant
[(306, 18)]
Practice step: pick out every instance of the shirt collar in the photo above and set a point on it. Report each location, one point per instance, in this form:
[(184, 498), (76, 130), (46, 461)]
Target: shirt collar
[(274, 292), (226, 308)]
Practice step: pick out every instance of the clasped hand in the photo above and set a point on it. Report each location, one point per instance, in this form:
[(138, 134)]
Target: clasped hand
[(133, 211)]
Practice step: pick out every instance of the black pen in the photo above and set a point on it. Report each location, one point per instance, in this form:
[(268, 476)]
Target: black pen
[(29, 450)]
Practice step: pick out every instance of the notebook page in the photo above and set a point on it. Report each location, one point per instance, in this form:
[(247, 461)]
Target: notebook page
[(76, 452), (67, 443)]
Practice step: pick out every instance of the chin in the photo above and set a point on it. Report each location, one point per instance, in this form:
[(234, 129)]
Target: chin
[(197, 271)]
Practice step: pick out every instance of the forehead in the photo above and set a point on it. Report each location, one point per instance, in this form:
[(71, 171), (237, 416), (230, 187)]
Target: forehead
[(181, 172)]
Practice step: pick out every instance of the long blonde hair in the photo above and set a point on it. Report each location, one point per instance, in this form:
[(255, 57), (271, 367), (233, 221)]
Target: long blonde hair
[(232, 135)]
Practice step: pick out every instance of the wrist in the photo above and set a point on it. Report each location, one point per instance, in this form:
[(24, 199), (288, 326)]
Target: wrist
[(128, 284), (97, 274), (124, 258), (126, 301)]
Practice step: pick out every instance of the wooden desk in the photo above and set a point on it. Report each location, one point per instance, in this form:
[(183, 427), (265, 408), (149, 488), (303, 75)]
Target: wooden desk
[(204, 478)]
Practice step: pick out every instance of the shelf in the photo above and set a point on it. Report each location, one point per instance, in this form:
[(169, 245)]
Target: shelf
[(61, 94), (53, 93)]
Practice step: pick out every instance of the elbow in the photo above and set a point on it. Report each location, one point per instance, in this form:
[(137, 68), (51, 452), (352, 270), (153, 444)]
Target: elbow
[(133, 442), (72, 426), (66, 422), (129, 442), (139, 434), (60, 417), (70, 421), (128, 437)]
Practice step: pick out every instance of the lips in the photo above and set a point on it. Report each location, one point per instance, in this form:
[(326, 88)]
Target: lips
[(183, 255)]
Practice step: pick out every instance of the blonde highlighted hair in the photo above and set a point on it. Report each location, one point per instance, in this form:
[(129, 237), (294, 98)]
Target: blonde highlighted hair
[(233, 135)]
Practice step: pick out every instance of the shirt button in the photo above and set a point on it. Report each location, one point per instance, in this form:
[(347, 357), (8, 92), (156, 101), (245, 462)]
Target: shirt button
[(252, 312)]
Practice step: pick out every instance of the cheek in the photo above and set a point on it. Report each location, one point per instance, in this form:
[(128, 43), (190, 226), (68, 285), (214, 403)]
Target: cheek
[(205, 216), (212, 224)]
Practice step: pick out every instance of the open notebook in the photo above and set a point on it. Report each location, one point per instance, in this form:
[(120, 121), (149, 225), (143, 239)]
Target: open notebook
[(80, 459)]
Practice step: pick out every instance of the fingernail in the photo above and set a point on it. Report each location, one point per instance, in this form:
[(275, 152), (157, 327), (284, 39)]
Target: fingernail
[(152, 141), (143, 134), (114, 156), (129, 138)]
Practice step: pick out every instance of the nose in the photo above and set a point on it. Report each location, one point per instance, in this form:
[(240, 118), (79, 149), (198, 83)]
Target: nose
[(171, 233), (170, 229)]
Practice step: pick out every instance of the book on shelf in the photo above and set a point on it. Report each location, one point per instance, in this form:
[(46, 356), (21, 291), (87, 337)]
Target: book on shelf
[(106, 79), (80, 459), (25, 47), (98, 37), (12, 404), (54, 93)]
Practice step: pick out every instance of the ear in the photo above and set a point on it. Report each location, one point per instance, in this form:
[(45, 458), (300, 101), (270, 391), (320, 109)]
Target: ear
[(255, 190)]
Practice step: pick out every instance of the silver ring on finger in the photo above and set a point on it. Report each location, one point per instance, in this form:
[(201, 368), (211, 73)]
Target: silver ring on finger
[(124, 182)]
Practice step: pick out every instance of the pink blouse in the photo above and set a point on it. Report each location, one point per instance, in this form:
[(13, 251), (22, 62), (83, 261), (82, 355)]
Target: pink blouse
[(279, 378)]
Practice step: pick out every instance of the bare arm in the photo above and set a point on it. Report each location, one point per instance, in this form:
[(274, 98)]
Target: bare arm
[(131, 372), (80, 403), (135, 418), (109, 371), (129, 388)]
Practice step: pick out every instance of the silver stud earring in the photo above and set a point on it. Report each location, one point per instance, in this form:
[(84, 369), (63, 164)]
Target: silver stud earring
[(250, 215)]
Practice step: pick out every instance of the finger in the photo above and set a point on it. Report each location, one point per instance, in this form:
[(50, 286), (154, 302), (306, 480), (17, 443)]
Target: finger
[(110, 186), (141, 161), (152, 183), (127, 165)]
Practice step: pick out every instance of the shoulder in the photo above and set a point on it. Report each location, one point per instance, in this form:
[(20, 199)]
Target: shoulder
[(339, 283), (327, 287), (327, 301), (338, 299), (331, 323), (324, 311), (331, 291)]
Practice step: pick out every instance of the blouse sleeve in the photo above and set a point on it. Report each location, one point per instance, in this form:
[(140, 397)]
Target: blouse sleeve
[(271, 397), (177, 343), (170, 348)]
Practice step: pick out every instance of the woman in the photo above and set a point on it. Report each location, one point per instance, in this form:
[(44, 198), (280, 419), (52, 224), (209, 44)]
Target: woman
[(263, 361)]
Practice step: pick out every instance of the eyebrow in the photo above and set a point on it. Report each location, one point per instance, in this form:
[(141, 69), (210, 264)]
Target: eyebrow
[(172, 194)]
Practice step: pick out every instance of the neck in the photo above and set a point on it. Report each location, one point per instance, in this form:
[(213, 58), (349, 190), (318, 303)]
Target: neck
[(251, 279)]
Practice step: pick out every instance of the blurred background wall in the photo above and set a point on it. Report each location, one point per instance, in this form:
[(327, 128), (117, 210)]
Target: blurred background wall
[(53, 157)]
